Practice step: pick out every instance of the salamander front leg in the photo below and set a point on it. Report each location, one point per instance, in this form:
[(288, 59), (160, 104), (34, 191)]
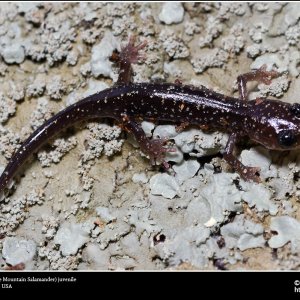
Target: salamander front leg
[(260, 75), (247, 173), (153, 148), (130, 54)]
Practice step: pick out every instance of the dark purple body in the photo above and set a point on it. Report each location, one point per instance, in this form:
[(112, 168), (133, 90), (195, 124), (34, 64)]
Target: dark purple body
[(168, 102)]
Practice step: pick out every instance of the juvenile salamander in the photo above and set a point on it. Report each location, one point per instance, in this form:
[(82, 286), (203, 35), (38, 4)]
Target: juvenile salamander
[(271, 123)]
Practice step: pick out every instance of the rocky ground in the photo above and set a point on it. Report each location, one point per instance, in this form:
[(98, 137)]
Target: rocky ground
[(90, 199)]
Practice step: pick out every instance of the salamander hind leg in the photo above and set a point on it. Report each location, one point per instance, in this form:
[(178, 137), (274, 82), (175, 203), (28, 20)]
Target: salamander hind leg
[(247, 173), (155, 148), (260, 75), (130, 54)]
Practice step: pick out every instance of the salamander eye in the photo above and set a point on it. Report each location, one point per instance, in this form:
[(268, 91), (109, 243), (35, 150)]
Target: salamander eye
[(286, 138), (295, 109)]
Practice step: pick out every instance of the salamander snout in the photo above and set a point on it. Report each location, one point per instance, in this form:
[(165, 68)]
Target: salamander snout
[(287, 127), (290, 137), (274, 124)]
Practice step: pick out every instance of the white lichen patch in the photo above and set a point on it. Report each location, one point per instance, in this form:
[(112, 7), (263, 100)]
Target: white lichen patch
[(287, 230), (191, 28), (100, 64), (101, 138), (243, 234), (212, 59), (71, 237), (186, 246), (16, 250), (173, 45), (186, 170), (56, 261), (171, 13), (36, 88), (209, 144), (16, 91), (186, 140), (97, 257), (41, 114), (271, 61), (221, 194), (276, 88), (13, 54), (105, 215), (9, 142), (165, 185), (175, 155), (213, 29), (147, 128), (259, 156), (258, 196), (61, 146), (141, 220), (52, 41), (50, 226), (165, 131), (55, 88), (112, 233), (14, 212), (140, 178), (7, 108)]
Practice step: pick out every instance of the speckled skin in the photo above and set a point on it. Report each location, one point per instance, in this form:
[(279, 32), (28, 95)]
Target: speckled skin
[(274, 124)]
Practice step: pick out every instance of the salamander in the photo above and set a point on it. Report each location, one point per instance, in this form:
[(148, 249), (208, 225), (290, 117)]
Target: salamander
[(271, 123)]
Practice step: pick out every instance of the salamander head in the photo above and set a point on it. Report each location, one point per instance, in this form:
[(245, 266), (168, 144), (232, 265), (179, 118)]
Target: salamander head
[(275, 125)]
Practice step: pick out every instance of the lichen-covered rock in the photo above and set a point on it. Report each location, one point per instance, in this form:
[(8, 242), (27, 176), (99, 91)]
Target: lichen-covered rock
[(165, 185), (259, 196), (13, 54), (171, 13), (16, 250), (288, 230), (100, 64), (71, 237), (186, 169), (243, 234)]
